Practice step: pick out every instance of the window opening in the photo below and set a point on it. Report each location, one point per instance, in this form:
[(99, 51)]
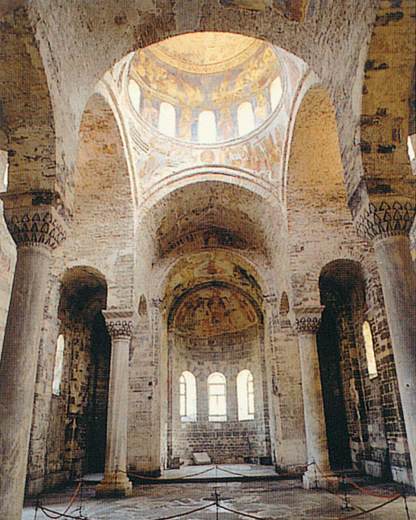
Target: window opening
[(275, 92), (245, 395), (135, 95), (217, 403), (207, 127), (167, 119), (59, 362), (245, 118), (369, 350), (187, 397)]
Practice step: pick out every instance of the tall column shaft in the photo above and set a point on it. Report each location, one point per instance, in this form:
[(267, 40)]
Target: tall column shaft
[(116, 482), (36, 233), (398, 279), (307, 324), (387, 222)]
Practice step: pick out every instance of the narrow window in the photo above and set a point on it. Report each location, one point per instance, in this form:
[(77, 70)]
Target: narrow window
[(59, 361), (369, 350), (217, 402), (135, 95), (275, 92), (245, 395), (411, 144), (187, 397), (207, 127), (167, 119), (245, 118)]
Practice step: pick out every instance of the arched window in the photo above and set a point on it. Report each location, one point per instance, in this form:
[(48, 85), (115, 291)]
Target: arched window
[(217, 400), (369, 350), (59, 362), (207, 127), (167, 119), (411, 147), (245, 118), (245, 395), (275, 92), (187, 397), (135, 94)]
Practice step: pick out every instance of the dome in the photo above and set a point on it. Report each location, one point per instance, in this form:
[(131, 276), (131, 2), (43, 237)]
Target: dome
[(206, 87)]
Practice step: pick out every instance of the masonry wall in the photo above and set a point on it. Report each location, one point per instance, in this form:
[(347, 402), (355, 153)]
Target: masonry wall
[(231, 441)]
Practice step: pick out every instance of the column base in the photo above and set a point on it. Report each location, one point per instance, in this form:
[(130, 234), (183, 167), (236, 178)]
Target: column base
[(114, 485), (326, 480)]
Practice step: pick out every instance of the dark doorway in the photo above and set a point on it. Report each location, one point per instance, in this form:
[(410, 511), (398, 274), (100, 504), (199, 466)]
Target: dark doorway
[(333, 395)]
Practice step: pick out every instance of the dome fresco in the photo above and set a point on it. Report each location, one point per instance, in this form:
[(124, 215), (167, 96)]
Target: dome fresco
[(205, 78)]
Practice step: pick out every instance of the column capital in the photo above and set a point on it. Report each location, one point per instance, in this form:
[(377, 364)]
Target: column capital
[(35, 218), (308, 319), (385, 217), (119, 322)]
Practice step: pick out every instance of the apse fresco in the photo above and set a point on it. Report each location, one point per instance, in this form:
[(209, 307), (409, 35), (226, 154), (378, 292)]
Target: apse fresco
[(214, 311)]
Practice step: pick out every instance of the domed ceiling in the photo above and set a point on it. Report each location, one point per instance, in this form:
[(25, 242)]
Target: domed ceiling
[(211, 74)]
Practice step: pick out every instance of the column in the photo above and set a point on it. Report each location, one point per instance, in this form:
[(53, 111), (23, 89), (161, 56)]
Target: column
[(37, 229), (115, 481), (387, 224), (307, 324)]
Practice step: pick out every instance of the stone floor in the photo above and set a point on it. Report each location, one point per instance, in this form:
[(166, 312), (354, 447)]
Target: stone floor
[(266, 500)]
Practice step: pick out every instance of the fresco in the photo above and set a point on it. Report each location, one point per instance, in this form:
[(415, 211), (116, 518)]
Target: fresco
[(213, 311)]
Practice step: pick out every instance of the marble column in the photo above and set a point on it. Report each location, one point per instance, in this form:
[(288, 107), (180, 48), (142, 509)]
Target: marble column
[(319, 472), (387, 224), (115, 481), (37, 228)]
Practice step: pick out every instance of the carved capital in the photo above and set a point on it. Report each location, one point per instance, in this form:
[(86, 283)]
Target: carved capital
[(35, 219), (308, 319), (385, 218), (119, 323)]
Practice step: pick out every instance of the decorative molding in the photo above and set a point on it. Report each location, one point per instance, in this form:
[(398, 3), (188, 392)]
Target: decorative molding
[(386, 218), (119, 323), (35, 218), (308, 319)]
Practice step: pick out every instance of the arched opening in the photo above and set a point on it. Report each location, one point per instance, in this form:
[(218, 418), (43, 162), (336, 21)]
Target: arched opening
[(79, 376), (245, 395), (245, 118), (207, 127), (187, 397)]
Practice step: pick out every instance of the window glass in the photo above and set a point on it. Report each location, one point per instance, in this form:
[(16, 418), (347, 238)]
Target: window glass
[(187, 397), (167, 119), (59, 362), (275, 92), (135, 94), (207, 127), (245, 395), (369, 350), (217, 403), (245, 118)]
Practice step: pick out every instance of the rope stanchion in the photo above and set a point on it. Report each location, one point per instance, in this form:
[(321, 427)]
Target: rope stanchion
[(365, 512)]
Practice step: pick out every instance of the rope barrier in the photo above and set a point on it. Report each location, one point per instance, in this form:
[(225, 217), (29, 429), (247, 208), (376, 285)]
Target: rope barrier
[(51, 512), (158, 479), (361, 513), (187, 513), (247, 515)]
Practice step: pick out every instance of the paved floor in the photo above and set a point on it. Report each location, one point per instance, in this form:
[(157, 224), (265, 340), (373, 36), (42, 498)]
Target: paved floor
[(265, 500)]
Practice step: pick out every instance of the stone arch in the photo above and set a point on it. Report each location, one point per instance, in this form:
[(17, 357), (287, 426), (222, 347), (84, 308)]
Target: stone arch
[(102, 184), (26, 104), (317, 207)]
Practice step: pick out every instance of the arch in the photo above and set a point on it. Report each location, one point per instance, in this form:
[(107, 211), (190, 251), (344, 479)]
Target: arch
[(187, 397), (217, 397), (103, 181), (245, 118), (245, 395), (317, 208)]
